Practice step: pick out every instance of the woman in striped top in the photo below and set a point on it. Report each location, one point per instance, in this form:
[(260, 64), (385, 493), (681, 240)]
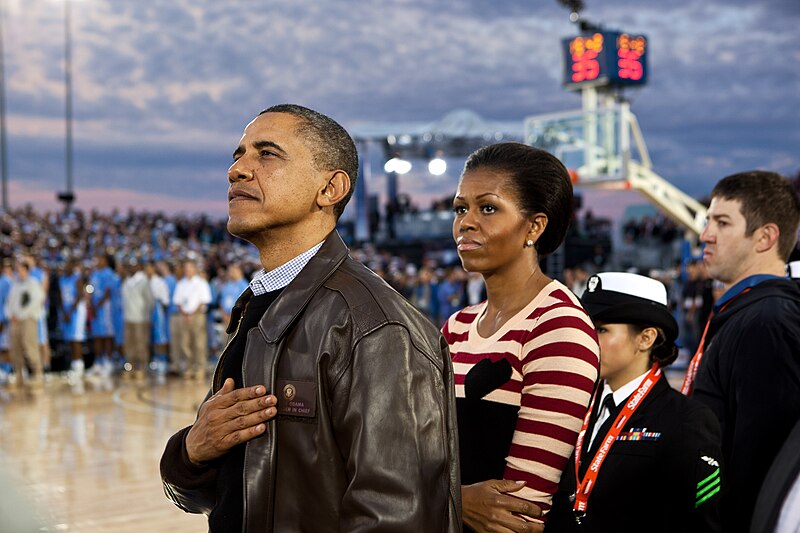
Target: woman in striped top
[(526, 359)]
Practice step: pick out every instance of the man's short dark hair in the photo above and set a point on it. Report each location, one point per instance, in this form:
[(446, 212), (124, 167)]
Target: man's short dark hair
[(766, 197), (331, 145)]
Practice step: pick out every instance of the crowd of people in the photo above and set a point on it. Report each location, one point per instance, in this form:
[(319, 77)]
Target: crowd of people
[(653, 229), (104, 278)]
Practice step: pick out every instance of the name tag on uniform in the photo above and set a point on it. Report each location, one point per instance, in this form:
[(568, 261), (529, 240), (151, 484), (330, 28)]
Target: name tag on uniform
[(297, 398), (639, 434)]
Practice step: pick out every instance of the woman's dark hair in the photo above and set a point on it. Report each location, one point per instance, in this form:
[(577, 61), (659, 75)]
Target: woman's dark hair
[(541, 182), (664, 352)]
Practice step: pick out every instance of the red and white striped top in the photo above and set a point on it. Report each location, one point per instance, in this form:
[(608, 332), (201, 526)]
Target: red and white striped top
[(552, 347)]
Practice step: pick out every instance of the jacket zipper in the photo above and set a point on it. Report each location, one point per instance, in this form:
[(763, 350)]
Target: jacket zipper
[(218, 373)]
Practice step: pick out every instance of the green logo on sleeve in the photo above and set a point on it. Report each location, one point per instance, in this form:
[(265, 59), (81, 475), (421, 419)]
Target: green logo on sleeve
[(707, 488)]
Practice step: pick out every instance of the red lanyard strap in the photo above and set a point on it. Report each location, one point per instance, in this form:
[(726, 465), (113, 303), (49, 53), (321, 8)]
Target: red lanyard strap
[(694, 364), (585, 486)]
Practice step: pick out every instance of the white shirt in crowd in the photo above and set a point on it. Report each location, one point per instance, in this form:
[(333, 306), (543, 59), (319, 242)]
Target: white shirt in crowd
[(191, 293), (474, 289), (25, 299), (137, 298), (160, 290)]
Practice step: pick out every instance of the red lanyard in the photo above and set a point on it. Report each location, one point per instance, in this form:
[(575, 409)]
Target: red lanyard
[(585, 486), (694, 364)]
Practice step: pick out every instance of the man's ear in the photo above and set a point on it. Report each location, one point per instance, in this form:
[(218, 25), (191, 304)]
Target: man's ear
[(767, 237), (335, 190)]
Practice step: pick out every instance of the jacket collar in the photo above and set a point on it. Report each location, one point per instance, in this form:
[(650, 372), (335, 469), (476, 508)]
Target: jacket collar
[(737, 289), (777, 289), (294, 298)]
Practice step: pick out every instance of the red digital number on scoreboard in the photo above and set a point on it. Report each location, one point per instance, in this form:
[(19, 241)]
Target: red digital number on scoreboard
[(630, 52), (584, 52)]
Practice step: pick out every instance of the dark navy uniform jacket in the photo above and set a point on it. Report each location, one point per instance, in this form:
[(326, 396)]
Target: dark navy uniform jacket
[(662, 474)]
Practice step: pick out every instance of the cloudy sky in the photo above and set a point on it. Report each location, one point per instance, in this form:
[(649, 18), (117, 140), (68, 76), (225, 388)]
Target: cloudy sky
[(163, 88)]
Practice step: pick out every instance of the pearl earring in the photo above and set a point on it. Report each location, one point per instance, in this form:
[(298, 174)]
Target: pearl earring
[(529, 243)]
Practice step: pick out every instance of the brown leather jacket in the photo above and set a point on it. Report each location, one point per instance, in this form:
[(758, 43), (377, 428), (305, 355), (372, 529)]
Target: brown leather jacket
[(365, 437)]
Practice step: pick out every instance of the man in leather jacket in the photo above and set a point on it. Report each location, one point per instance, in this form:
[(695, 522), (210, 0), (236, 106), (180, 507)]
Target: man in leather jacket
[(331, 407)]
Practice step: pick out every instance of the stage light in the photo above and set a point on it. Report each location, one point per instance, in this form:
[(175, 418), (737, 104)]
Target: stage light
[(437, 166), (397, 165)]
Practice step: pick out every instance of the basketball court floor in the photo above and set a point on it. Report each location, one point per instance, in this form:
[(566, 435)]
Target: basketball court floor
[(87, 461)]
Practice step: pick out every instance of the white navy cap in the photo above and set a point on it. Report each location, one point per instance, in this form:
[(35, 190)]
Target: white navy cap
[(794, 269), (624, 298)]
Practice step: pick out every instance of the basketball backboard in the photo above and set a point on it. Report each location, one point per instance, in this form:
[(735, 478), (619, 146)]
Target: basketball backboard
[(603, 147), (587, 142)]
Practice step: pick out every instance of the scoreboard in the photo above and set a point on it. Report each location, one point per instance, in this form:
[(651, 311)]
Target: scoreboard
[(605, 58)]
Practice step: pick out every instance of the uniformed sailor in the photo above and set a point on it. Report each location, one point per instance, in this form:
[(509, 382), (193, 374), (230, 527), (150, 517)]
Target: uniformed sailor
[(647, 457)]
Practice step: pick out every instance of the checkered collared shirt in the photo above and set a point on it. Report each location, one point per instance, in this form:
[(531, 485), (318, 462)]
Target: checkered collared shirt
[(264, 282)]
